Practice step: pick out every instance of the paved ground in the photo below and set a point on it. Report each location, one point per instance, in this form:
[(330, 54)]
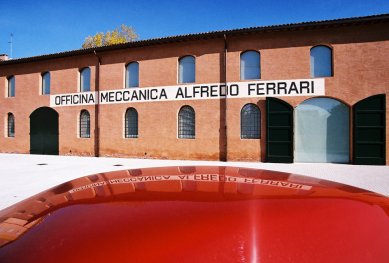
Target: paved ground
[(23, 175)]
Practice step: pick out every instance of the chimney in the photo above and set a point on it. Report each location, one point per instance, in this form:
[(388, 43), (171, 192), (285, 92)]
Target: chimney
[(3, 57)]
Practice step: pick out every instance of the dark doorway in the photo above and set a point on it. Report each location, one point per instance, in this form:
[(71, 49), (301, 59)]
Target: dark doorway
[(44, 131), (279, 135), (369, 131)]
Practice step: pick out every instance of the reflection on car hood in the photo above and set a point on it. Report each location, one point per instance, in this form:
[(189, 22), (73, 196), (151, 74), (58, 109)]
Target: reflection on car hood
[(197, 214)]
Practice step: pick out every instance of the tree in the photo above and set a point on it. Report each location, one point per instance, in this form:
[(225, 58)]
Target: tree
[(120, 35)]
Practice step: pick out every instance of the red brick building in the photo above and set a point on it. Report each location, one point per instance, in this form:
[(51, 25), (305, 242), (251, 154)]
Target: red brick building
[(307, 92)]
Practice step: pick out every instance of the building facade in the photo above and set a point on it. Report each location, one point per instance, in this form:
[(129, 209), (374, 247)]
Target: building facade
[(307, 92)]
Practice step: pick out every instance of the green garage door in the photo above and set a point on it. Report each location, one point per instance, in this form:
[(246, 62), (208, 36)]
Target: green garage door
[(369, 131), (44, 131), (279, 127)]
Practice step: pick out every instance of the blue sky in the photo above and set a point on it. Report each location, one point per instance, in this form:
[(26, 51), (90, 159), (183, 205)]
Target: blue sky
[(44, 27)]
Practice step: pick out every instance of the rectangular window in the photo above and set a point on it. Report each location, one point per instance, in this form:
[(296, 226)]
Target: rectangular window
[(321, 61), (187, 70), (85, 80), (132, 75), (46, 83), (11, 86)]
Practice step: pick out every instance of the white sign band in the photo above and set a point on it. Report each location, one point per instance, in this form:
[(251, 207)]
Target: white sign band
[(254, 89)]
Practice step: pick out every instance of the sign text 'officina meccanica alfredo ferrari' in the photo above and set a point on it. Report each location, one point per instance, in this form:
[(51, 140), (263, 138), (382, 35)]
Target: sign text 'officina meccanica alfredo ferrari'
[(255, 89)]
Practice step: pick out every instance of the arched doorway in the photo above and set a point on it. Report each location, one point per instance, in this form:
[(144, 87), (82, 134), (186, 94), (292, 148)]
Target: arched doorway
[(44, 131), (322, 132)]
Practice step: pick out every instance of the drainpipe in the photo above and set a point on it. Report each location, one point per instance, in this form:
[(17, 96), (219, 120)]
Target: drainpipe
[(223, 115), (223, 107), (97, 105)]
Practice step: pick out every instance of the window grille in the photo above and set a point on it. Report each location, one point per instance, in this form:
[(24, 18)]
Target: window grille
[(250, 122), (84, 124), (186, 123), (11, 125), (131, 123)]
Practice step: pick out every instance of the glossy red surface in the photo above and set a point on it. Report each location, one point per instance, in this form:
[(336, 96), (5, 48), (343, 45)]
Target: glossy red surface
[(197, 214)]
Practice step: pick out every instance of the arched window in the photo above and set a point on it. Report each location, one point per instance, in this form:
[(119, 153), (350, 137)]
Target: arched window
[(85, 79), (131, 123), (10, 125), (187, 70), (132, 75), (321, 61), (250, 122), (46, 83), (84, 124), (186, 123), (11, 86), (250, 65)]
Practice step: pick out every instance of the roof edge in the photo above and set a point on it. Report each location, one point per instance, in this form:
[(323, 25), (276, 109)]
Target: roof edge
[(207, 35)]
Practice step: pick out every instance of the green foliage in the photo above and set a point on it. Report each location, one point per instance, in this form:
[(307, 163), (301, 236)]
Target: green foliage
[(120, 35)]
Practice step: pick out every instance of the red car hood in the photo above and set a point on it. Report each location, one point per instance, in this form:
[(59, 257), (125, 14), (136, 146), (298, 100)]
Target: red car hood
[(197, 214)]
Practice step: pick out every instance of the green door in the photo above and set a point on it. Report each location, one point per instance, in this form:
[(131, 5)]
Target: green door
[(279, 136), (369, 131), (44, 131)]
